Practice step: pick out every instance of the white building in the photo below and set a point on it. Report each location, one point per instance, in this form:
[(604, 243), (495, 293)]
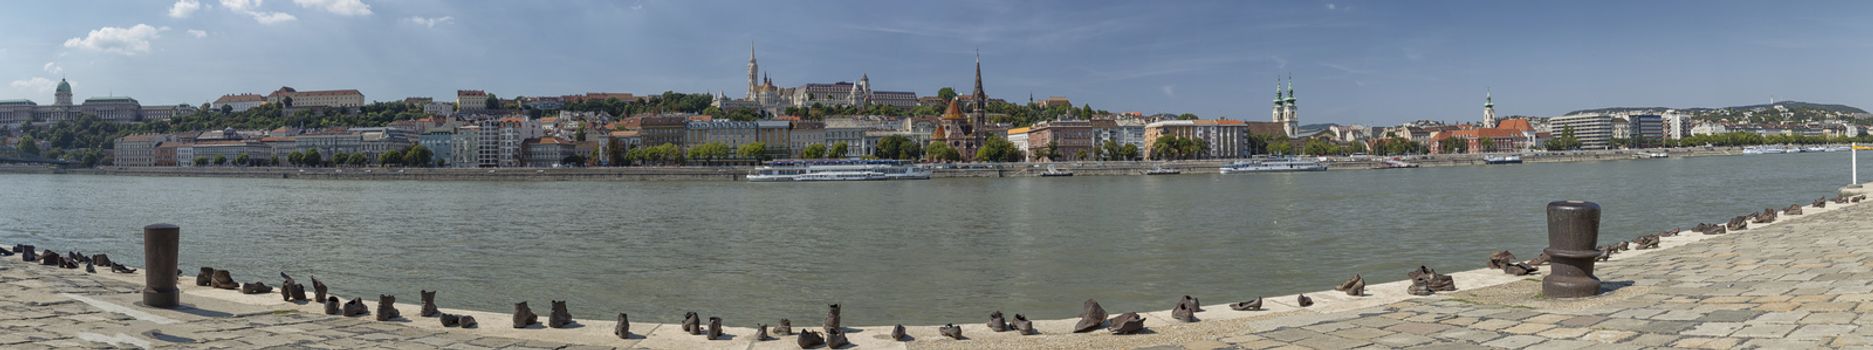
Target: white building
[(1593, 131), (238, 102)]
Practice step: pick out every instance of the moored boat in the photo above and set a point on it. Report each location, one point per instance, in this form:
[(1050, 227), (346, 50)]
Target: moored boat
[(1056, 172), (1163, 171), (1271, 166), (837, 170), (1508, 159)]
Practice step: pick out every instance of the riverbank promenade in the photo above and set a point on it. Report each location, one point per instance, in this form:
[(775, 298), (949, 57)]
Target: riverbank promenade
[(1804, 281)]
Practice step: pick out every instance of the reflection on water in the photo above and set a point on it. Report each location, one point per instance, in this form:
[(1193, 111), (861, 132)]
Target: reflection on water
[(919, 252)]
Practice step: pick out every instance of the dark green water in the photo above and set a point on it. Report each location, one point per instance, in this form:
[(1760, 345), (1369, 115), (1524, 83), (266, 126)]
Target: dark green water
[(919, 252)]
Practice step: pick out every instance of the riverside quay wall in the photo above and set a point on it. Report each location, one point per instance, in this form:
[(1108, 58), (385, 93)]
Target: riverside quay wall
[(736, 173)]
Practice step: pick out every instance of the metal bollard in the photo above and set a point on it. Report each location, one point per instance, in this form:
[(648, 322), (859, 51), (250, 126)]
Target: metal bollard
[(159, 266), (1573, 229)]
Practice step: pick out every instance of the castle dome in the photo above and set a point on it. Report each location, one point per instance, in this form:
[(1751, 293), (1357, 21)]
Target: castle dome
[(64, 87)]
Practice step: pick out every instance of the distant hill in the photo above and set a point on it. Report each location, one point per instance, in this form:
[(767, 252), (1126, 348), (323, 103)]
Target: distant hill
[(1791, 105)]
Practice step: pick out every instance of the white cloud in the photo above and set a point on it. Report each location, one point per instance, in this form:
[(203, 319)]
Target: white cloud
[(198, 33), (34, 84), (432, 21), (272, 17), (53, 67), (1168, 90), (184, 8), (252, 8), (124, 41), (340, 7), (1331, 6)]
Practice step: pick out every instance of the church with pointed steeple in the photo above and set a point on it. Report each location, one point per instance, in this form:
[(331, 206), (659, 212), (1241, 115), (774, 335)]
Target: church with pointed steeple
[(1489, 110), (965, 133), (762, 94), (1285, 108)]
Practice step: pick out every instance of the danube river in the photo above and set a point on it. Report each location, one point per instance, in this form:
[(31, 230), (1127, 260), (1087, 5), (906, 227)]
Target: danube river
[(916, 252)]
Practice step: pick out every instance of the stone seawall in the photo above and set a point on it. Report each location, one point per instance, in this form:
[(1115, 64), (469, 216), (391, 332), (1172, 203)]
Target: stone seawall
[(1082, 168)]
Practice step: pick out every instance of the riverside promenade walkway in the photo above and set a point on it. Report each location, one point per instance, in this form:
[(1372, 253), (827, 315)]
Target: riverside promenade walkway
[(1802, 282)]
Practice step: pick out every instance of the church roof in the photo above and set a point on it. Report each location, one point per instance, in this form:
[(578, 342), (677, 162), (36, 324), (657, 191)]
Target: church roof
[(64, 87), (952, 112)]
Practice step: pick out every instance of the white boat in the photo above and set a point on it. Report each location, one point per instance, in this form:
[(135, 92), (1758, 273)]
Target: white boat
[(1054, 172), (1815, 149), (838, 170), (842, 176), (1271, 166), (1508, 159), (1651, 155), (1764, 150), (1163, 171), (1396, 164)]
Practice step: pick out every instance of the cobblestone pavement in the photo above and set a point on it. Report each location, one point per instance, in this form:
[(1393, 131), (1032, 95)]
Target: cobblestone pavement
[(1802, 283)]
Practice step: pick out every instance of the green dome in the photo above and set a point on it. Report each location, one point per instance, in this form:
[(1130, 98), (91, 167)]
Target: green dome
[(64, 87)]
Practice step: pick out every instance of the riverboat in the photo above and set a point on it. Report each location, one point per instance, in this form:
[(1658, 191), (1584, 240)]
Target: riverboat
[(1271, 166), (837, 170), (1508, 159), (1163, 171)]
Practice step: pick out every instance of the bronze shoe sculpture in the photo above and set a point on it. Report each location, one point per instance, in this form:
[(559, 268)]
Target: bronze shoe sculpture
[(1023, 326), (450, 320), (1820, 202), (1252, 305), (1622, 246), (89, 269), (1497, 260), (1353, 287), (832, 316), (28, 253), (809, 340), (205, 278), (51, 259), (1304, 300), (1195, 306), (692, 323), (760, 333), (355, 307), (1767, 216), (294, 291), (387, 308), (835, 339), (1539, 259), (255, 288), (623, 328), (524, 316), (1127, 323), (1738, 223), (318, 288), (467, 321), (1091, 317), (429, 303), (286, 287), (1518, 269), (120, 268), (897, 333), (715, 329), (785, 327), (224, 280), (559, 318), (951, 331), (101, 260), (331, 306), (1793, 210), (1418, 288), (1182, 312), (997, 323)]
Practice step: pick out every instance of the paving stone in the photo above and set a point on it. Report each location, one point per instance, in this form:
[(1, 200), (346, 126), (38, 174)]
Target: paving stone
[(1515, 341), (1764, 331), (1821, 331)]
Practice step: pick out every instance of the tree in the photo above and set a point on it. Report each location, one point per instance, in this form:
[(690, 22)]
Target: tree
[(296, 158), (1129, 152), (838, 150), (389, 158), (417, 156), (998, 149), (1356, 147), (1280, 146), (243, 159), (28, 146), (940, 152), (814, 151), (1566, 141), (221, 160), (360, 159), (1318, 147), (201, 161), (708, 151), (311, 158), (1485, 144), (572, 160), (340, 159), (1052, 151), (946, 93), (753, 150), (1080, 155), (1187, 116), (492, 103), (1453, 145), (897, 147)]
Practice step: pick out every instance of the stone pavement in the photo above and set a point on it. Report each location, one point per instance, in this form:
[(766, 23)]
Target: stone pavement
[(1803, 282)]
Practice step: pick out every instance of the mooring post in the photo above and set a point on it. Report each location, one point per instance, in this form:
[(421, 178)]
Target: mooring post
[(1573, 229), (159, 265)]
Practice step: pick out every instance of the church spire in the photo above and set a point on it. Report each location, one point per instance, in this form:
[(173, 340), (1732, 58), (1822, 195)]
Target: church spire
[(980, 97)]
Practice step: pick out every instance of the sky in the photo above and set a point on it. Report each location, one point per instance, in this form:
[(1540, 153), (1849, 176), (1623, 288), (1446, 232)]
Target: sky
[(1367, 62)]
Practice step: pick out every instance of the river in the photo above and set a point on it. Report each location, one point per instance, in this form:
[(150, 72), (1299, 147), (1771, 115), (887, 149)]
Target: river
[(913, 252)]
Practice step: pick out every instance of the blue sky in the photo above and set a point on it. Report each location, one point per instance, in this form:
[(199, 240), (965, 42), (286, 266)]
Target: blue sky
[(1375, 62)]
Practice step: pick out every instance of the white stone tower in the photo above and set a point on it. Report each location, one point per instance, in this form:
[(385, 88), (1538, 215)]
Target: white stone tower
[(754, 70), (1489, 110)]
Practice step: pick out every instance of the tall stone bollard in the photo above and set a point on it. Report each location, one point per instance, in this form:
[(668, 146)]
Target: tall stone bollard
[(1573, 229), (159, 265)]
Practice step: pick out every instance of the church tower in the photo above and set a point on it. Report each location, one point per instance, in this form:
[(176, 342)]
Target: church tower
[(754, 70), (1291, 122), (1276, 114), (979, 115), (1489, 111)]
